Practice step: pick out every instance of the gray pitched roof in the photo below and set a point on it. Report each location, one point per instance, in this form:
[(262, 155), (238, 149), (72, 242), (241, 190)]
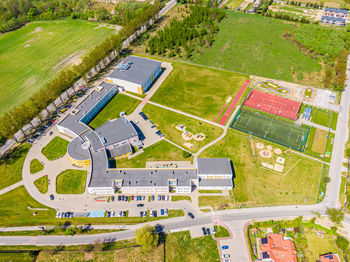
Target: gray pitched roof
[(207, 166), (215, 182), (121, 150), (115, 131), (140, 69)]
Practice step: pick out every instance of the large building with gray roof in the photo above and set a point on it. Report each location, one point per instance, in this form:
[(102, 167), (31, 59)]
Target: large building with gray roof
[(115, 138), (136, 74)]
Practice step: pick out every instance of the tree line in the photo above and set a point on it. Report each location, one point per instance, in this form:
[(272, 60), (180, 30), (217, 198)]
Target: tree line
[(180, 35), (308, 4), (15, 13), (283, 16), (16, 118)]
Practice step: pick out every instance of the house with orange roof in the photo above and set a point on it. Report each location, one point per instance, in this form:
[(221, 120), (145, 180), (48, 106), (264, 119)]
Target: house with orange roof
[(329, 257), (276, 248)]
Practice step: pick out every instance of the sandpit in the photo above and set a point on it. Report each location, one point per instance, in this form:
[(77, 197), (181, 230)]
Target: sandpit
[(278, 151), (269, 147), (259, 145), (265, 153)]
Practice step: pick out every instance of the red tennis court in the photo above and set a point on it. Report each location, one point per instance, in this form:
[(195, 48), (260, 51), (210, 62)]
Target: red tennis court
[(273, 104)]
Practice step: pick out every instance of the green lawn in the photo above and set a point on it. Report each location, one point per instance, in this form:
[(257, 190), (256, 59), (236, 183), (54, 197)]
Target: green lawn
[(254, 185), (35, 166), (56, 148), (221, 231), (180, 247), (33, 54), (197, 90), (118, 104), (11, 166), (216, 202), (42, 184), (255, 45), (342, 191), (71, 182), (167, 126), (179, 198), (209, 191), (317, 246), (162, 150)]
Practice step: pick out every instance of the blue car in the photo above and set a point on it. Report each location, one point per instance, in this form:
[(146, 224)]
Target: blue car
[(224, 247)]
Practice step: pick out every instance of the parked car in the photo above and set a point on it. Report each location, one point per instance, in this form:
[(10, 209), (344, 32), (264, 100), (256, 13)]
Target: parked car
[(112, 214), (227, 260), (151, 213), (126, 198), (124, 213), (162, 212), (190, 215), (224, 247), (139, 198), (122, 198), (143, 198), (52, 197), (108, 214), (140, 205), (159, 197), (204, 231), (120, 214), (119, 198), (213, 229), (155, 213), (132, 198), (208, 231), (225, 255), (145, 214), (166, 211), (141, 214), (112, 198), (152, 198), (167, 198), (163, 197)]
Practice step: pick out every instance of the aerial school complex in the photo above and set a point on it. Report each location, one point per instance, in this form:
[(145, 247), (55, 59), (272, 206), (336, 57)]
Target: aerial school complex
[(118, 137)]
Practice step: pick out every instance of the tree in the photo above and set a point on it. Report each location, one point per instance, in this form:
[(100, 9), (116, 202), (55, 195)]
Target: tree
[(342, 243), (327, 179), (336, 215), (146, 237)]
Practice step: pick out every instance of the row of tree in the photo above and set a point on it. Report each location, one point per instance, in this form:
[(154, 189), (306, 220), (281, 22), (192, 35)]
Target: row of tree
[(284, 16), (335, 74), (16, 118), (200, 25), (308, 4), (15, 13)]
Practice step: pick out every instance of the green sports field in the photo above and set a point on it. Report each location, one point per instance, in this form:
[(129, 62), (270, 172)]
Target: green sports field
[(277, 131), (255, 45), (32, 55)]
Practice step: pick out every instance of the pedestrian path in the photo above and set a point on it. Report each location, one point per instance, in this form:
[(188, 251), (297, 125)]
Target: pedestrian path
[(9, 188)]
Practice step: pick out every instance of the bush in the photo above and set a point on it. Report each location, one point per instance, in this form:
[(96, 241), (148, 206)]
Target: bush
[(335, 215), (186, 154), (342, 243), (327, 179)]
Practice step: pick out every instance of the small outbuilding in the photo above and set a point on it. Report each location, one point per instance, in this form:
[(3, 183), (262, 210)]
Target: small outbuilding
[(136, 74)]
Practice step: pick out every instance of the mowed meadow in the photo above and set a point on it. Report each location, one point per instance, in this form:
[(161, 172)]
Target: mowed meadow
[(32, 55), (256, 45)]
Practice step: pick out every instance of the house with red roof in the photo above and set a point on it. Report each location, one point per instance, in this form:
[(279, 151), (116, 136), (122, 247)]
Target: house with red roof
[(276, 248), (329, 257)]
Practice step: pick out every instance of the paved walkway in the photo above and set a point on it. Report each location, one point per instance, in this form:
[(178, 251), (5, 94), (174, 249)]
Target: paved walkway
[(9, 188), (309, 123)]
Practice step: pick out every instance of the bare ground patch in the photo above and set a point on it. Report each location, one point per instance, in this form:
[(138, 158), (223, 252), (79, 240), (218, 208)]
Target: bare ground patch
[(73, 59)]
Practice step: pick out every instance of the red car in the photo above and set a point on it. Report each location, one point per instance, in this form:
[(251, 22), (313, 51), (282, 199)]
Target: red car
[(132, 198)]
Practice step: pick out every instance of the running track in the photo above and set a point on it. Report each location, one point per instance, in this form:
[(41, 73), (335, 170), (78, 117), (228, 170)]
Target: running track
[(234, 103)]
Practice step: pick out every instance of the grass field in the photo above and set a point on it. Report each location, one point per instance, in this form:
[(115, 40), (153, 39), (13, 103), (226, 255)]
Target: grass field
[(11, 166), (317, 246), (179, 198), (221, 231), (216, 202), (254, 185), (167, 126), (320, 141), (32, 55), (197, 90), (56, 148), (209, 191), (342, 190), (71, 182), (160, 151), (118, 104), (233, 4), (180, 247), (42, 184), (255, 45), (35, 166)]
